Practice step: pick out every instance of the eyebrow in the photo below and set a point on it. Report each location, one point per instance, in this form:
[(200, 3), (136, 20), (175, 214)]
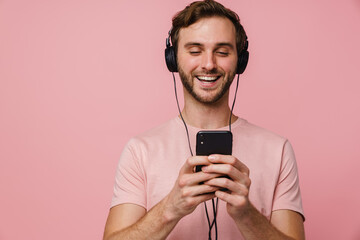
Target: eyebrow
[(190, 44), (221, 44), (225, 44)]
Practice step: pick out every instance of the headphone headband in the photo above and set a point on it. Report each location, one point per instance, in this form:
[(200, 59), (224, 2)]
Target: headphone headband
[(171, 62), (168, 44)]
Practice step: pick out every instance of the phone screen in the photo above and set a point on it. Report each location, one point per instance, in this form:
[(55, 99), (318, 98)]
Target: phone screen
[(213, 142)]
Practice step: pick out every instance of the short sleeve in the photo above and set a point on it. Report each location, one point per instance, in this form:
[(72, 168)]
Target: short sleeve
[(130, 177), (287, 192)]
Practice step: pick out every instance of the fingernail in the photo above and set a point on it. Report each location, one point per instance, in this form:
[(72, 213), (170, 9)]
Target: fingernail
[(204, 168), (212, 157)]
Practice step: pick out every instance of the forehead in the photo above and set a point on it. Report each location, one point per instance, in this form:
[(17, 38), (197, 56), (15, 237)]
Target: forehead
[(211, 30)]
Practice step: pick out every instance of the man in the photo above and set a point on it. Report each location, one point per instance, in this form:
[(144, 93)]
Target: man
[(158, 195)]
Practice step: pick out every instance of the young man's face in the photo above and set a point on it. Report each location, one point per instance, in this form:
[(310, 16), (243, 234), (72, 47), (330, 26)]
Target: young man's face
[(207, 58)]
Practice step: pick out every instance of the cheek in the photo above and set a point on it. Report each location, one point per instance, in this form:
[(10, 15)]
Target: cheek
[(228, 65), (188, 64)]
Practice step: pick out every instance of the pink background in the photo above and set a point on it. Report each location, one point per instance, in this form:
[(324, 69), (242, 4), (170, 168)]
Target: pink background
[(79, 78)]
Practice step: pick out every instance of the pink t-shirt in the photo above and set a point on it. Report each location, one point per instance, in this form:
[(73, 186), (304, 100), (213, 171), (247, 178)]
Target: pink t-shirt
[(149, 166)]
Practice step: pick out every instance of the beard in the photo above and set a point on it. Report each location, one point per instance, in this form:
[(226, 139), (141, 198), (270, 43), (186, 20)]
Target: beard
[(188, 83)]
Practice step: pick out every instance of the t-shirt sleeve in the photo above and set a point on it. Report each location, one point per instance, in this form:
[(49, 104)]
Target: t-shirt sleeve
[(130, 178), (287, 193)]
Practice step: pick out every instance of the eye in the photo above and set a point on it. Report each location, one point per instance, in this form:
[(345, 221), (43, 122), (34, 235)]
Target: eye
[(224, 54), (194, 52)]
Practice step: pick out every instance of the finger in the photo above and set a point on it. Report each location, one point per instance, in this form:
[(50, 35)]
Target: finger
[(228, 170), (233, 187), (231, 160), (191, 179), (201, 198), (191, 162), (198, 190), (234, 200)]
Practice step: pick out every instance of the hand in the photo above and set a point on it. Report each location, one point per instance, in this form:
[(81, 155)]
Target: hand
[(237, 186), (189, 191)]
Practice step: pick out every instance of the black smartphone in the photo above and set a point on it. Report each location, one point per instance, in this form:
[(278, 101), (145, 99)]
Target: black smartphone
[(213, 142)]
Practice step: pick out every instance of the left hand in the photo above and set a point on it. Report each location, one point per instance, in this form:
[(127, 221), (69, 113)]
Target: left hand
[(238, 185)]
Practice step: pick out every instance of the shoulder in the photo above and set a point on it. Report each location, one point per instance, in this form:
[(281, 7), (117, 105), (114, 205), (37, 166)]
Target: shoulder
[(257, 133), (138, 147), (156, 134)]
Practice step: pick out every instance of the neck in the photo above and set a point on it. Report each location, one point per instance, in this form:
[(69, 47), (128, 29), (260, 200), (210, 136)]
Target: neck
[(207, 116)]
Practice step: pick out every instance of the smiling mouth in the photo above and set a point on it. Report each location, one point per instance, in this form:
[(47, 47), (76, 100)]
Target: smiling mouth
[(207, 78)]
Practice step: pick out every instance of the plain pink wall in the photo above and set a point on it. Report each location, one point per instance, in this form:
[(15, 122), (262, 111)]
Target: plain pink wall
[(79, 78)]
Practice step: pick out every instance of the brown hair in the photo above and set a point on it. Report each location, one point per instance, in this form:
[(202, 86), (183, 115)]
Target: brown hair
[(204, 9)]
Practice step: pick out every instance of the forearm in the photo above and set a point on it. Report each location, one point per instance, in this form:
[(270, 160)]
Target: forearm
[(255, 226), (155, 224)]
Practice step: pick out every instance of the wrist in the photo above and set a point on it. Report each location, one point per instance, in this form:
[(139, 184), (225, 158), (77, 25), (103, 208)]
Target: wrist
[(169, 214), (246, 215)]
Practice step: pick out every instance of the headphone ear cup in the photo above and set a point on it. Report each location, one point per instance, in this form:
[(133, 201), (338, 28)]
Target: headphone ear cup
[(242, 61), (170, 59)]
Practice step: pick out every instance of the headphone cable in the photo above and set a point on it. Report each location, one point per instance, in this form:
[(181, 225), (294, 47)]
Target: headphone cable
[(188, 138), (232, 108), (215, 208), (177, 102)]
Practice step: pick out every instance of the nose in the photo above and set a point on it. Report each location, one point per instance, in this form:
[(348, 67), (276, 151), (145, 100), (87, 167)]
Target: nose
[(208, 61)]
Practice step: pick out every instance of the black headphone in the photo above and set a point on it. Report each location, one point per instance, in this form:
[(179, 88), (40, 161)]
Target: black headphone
[(171, 63)]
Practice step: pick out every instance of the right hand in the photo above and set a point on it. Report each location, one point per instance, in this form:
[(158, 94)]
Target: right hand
[(189, 191)]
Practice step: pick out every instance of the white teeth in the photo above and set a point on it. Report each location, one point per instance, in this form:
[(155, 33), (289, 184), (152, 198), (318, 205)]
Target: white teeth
[(204, 78)]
